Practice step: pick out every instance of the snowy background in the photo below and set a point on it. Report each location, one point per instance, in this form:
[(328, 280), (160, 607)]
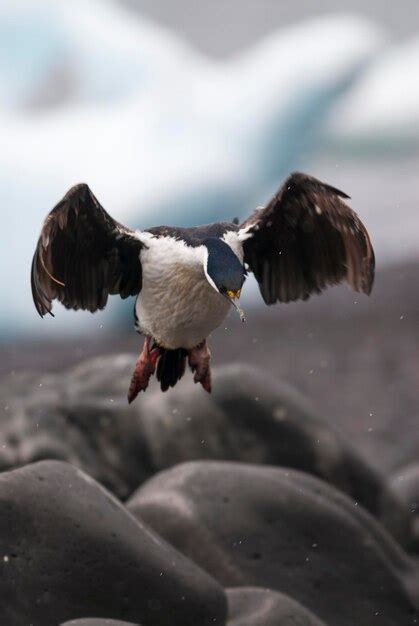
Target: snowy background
[(190, 115)]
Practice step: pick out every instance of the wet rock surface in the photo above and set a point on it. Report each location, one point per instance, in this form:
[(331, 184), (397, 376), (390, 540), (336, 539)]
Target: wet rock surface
[(285, 530), (83, 418), (262, 543), (405, 485), (252, 606), (69, 548)]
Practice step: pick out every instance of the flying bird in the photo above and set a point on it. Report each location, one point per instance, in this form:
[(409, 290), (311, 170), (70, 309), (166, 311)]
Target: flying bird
[(186, 279)]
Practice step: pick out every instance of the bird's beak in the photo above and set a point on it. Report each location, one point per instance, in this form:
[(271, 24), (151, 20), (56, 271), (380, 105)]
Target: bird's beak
[(234, 296)]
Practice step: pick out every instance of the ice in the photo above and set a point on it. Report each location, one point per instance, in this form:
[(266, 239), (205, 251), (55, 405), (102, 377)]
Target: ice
[(88, 92), (86, 50), (381, 112)]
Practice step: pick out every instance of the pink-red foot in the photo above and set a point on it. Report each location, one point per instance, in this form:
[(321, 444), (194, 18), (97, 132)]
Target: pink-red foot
[(144, 369), (199, 361)]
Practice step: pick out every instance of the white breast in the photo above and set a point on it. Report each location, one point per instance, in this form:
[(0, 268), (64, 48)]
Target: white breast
[(177, 306)]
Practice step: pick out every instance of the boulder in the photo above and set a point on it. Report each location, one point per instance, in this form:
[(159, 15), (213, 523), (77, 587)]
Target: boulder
[(405, 484), (251, 418), (82, 417), (252, 606), (250, 525), (68, 548)]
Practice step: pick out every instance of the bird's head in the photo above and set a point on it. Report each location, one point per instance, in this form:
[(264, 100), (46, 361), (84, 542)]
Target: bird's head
[(224, 271)]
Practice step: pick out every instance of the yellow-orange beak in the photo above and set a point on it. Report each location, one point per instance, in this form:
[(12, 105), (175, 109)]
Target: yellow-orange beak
[(233, 297)]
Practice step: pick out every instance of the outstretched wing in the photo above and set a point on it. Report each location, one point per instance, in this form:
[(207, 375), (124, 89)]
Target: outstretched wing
[(305, 239), (83, 255)]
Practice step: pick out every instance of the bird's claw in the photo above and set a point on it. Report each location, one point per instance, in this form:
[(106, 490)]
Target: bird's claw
[(199, 361), (144, 369)]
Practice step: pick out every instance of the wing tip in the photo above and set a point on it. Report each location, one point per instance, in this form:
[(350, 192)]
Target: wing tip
[(338, 192), (369, 284), (301, 178), (79, 190), (41, 307), (365, 282)]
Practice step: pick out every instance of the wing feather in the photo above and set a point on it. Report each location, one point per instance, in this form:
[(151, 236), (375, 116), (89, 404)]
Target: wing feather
[(83, 255), (306, 239)]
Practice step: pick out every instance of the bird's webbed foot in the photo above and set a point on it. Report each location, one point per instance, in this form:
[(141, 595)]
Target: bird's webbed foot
[(144, 369), (199, 361)]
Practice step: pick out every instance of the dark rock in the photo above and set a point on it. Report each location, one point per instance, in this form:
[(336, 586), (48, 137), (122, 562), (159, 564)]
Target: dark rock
[(83, 417), (97, 621), (253, 419), (405, 484), (68, 548), (252, 606), (251, 525)]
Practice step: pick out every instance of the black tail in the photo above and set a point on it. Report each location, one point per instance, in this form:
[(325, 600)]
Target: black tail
[(171, 367)]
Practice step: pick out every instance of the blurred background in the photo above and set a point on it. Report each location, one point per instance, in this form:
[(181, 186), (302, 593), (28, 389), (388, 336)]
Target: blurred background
[(187, 112)]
